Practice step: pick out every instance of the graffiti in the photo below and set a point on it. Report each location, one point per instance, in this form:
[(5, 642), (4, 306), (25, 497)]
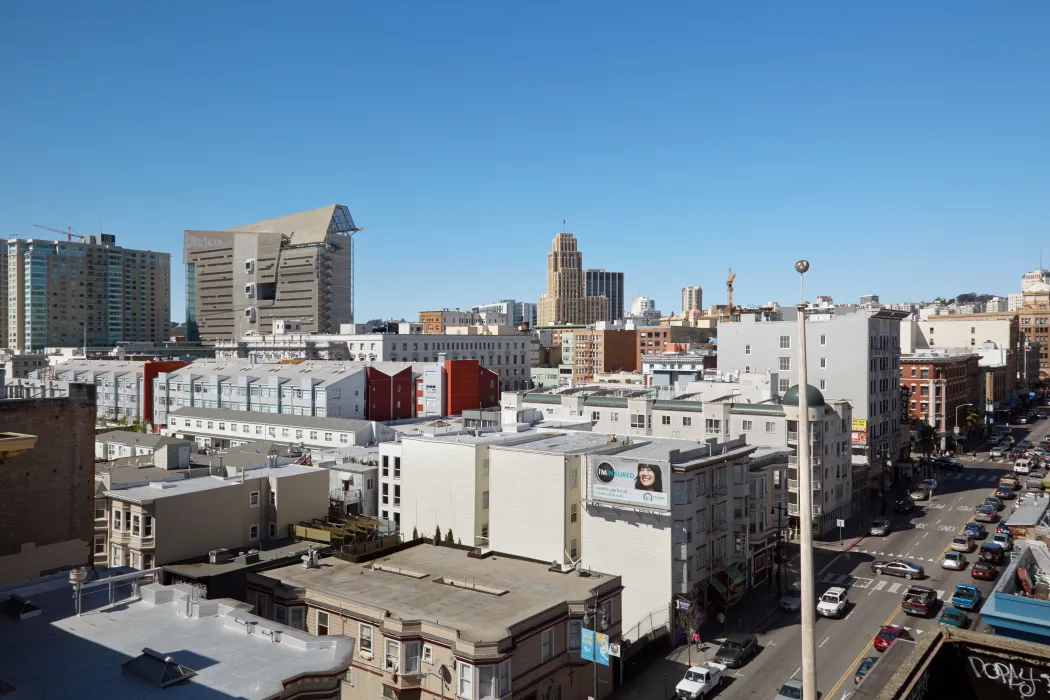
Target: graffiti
[(921, 689), (1020, 679)]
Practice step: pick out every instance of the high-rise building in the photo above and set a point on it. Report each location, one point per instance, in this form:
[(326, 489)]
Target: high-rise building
[(1030, 280), (599, 283), (692, 298), (63, 293), (565, 302), (298, 267), (3, 294)]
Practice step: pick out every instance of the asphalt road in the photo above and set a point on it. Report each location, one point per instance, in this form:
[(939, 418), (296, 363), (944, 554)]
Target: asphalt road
[(922, 537)]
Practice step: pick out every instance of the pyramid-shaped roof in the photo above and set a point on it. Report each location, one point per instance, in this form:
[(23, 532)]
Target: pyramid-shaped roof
[(311, 226)]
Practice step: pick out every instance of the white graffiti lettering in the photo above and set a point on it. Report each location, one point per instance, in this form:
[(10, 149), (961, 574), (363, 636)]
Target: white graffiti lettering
[(1023, 680)]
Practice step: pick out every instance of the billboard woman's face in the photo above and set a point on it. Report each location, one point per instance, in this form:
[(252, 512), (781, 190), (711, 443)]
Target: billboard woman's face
[(647, 476)]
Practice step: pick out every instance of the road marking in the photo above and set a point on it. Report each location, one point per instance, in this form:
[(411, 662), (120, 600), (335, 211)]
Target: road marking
[(940, 594), (925, 534), (796, 672), (940, 521), (880, 585), (850, 614), (894, 588), (821, 645), (849, 669)]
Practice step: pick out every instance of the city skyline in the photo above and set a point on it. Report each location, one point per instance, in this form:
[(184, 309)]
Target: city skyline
[(741, 129)]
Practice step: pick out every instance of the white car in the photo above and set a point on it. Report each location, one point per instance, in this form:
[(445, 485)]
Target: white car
[(954, 561), (1003, 540), (833, 603), (996, 452), (700, 681), (1022, 466)]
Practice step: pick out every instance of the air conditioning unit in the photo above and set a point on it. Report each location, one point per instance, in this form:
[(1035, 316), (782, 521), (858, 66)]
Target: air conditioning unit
[(249, 266), (249, 290), (219, 556), (249, 314)]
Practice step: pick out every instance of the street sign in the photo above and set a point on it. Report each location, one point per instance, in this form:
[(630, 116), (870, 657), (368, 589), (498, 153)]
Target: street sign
[(683, 604), (614, 650), (840, 523)]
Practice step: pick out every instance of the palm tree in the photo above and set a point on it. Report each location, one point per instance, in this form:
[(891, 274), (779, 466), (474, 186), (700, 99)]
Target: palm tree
[(926, 439)]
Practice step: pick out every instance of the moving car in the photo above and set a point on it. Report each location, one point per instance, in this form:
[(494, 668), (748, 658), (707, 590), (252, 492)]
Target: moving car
[(1008, 480), (1026, 443), (985, 514), (879, 528), (953, 617), (700, 680), (1002, 527), (899, 567), (918, 493), (792, 690), (1003, 540), (992, 553), (962, 543), (1037, 473), (930, 484), (792, 600), (994, 502), (863, 667), (833, 603), (737, 649), (984, 571), (948, 464), (997, 451), (966, 597), (904, 506), (1022, 466), (888, 635), (919, 600), (954, 561), (976, 531), (1004, 492)]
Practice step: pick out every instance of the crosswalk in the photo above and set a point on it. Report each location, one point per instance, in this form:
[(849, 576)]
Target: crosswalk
[(872, 585), (893, 555), (974, 476)]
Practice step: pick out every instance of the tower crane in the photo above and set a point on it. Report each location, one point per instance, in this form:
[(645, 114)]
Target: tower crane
[(68, 233), (729, 295)]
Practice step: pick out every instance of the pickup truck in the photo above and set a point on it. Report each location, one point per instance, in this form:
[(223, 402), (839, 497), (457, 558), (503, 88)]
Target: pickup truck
[(966, 597), (919, 600), (833, 603), (700, 681)]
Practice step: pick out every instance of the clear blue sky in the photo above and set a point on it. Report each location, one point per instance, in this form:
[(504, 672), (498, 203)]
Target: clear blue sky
[(902, 147)]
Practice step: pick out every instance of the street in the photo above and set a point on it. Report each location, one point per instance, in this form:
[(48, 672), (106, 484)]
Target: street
[(921, 537)]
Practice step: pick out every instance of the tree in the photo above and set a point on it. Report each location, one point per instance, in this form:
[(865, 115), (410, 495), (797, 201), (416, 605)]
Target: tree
[(415, 533), (448, 537), (926, 439), (969, 416), (437, 534), (686, 620)]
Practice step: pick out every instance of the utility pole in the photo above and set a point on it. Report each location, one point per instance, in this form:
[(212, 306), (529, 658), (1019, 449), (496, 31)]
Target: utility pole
[(805, 506)]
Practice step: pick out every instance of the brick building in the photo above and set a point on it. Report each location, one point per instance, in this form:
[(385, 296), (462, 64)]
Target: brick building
[(653, 340), (938, 386), (449, 387), (597, 351)]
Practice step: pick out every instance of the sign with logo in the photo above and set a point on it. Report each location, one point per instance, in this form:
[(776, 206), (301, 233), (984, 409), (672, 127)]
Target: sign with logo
[(683, 604), (587, 644), (620, 480), (860, 424), (860, 437), (601, 648), (614, 650)]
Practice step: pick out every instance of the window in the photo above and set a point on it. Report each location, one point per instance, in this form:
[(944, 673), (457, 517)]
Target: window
[(681, 492), (411, 657), (784, 385), (614, 417), (466, 678), (572, 548), (100, 544), (687, 421), (823, 340), (322, 623), (253, 499), (136, 521), (273, 498), (393, 655), (364, 639), (748, 426), (327, 437), (595, 415), (785, 342), (823, 363), (785, 364), (823, 384), (771, 427), (486, 682), (485, 500), (117, 519), (273, 530), (747, 349), (637, 420), (547, 644), (575, 477), (665, 420), (572, 512), (428, 654)]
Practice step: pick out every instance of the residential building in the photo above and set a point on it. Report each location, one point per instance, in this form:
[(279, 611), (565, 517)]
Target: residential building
[(218, 649), (125, 387), (517, 312), (88, 292), (353, 486), (225, 428), (438, 322), (868, 300), (692, 298), (298, 266), (163, 522), (997, 305), (600, 283), (565, 301), (449, 387), (1014, 301), (168, 452), (4, 292), (46, 479), (20, 366), (499, 625), (1035, 278), (656, 340), (854, 354), (938, 385), (674, 368), (644, 312), (597, 351), (967, 332), (1034, 323)]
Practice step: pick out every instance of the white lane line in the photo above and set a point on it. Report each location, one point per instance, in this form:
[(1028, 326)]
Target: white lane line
[(850, 614), (925, 535), (894, 588), (796, 671), (824, 642)]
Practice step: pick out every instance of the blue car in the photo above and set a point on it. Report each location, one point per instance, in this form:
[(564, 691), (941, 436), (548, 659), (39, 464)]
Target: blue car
[(966, 597), (976, 531)]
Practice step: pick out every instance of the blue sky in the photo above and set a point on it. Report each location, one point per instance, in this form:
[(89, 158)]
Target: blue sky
[(901, 147)]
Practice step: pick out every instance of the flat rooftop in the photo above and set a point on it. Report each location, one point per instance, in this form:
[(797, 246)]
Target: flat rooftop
[(205, 569), (427, 594), (169, 489), (566, 443), (60, 655)]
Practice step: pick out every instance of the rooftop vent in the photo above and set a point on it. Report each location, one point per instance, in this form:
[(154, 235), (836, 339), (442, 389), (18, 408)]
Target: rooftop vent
[(155, 668), (471, 586), (18, 608), (399, 571)]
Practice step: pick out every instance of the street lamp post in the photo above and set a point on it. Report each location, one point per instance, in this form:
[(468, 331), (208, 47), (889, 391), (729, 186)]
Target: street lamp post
[(778, 510), (962, 405)]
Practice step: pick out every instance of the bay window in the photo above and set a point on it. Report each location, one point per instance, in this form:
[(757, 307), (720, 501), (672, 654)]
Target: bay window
[(466, 679), (393, 655), (411, 663)]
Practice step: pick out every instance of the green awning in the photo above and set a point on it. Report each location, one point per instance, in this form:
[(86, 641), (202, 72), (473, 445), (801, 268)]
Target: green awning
[(736, 575), (719, 586)]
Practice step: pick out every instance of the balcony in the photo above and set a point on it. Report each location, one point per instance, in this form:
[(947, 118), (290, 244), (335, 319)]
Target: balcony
[(14, 444)]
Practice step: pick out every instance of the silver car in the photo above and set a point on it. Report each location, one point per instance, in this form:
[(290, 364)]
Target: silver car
[(954, 561), (792, 690), (879, 528)]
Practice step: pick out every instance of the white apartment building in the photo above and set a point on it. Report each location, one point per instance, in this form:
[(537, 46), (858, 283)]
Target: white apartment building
[(322, 389), (1014, 301), (224, 428), (170, 452), (1031, 280), (120, 384)]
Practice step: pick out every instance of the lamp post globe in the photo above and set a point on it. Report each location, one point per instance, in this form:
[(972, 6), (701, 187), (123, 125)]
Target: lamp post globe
[(802, 267)]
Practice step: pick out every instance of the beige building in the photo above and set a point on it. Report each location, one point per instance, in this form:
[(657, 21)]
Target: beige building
[(431, 621), (298, 266), (565, 302), (162, 522), (692, 298)]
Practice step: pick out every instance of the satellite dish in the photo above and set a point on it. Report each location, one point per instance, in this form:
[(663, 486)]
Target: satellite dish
[(446, 675)]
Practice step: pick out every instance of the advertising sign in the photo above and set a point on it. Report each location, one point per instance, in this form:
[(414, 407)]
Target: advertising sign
[(614, 650), (601, 649), (860, 437), (860, 424), (587, 644), (683, 604), (630, 481)]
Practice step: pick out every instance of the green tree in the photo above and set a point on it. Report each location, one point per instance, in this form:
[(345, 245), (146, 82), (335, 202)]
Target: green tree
[(415, 533), (437, 534), (926, 439), (448, 537), (970, 417)]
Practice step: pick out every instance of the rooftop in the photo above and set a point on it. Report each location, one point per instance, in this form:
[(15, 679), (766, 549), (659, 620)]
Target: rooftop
[(258, 558), (1030, 513), (481, 598), (225, 414), (311, 226), (118, 366), (169, 489), (58, 654), (132, 438)]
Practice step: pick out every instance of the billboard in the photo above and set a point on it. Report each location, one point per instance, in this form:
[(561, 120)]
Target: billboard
[(860, 424), (860, 437), (629, 481)]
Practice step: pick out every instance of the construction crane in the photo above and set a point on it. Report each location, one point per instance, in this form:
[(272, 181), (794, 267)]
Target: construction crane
[(729, 295), (68, 233)]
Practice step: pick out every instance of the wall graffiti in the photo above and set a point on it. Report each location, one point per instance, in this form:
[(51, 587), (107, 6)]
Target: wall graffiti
[(1020, 678)]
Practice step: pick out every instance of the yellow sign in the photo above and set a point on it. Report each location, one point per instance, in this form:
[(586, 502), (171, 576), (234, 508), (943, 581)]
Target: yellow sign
[(860, 424)]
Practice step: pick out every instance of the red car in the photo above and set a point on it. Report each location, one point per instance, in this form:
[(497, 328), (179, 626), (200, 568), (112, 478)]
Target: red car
[(984, 571), (888, 635)]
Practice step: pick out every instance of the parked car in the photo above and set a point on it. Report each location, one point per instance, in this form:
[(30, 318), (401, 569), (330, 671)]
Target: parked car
[(994, 502), (976, 531), (904, 506), (919, 600), (992, 553), (699, 681), (898, 567), (948, 464), (1002, 527), (1003, 540), (953, 617), (737, 649), (966, 597), (833, 603), (879, 528), (985, 514), (791, 690), (1037, 473), (862, 669), (930, 484), (984, 571), (1004, 492), (1026, 443), (954, 561), (1023, 420), (792, 600), (1040, 415), (1008, 480), (918, 493), (888, 635), (962, 543)]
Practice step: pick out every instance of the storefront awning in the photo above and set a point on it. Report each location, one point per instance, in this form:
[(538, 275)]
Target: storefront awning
[(719, 586), (736, 575)]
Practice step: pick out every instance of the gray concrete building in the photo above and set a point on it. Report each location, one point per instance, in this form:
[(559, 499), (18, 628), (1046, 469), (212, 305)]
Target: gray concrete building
[(601, 283), (298, 266)]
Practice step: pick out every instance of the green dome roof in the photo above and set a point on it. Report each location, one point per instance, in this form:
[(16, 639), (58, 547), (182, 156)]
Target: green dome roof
[(813, 396)]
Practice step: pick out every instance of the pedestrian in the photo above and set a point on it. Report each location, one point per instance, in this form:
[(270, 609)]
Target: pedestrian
[(696, 640)]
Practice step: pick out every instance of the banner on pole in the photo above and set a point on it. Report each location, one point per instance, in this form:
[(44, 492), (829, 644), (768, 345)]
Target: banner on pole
[(587, 644), (601, 649)]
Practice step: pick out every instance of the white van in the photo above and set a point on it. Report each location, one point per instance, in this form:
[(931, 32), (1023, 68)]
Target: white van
[(1023, 466)]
